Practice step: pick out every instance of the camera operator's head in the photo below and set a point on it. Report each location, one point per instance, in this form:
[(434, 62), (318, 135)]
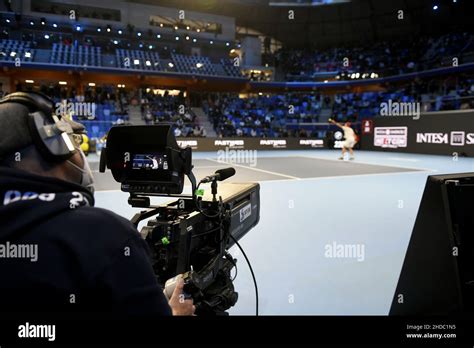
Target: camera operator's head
[(34, 139)]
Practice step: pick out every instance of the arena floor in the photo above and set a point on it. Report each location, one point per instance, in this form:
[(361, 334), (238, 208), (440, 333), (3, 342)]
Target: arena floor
[(310, 200)]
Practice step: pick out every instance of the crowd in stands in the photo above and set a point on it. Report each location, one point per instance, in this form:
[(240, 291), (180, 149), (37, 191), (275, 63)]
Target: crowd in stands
[(262, 116), (98, 108), (385, 57), (297, 114), (173, 109), (432, 96), (259, 115)]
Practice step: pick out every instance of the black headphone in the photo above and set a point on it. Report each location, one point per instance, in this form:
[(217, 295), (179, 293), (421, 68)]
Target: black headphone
[(51, 135)]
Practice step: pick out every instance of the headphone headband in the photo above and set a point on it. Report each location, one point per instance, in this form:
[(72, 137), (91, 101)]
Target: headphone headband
[(33, 100), (50, 134)]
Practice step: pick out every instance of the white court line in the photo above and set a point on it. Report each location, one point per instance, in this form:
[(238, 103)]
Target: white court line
[(370, 164), (256, 169)]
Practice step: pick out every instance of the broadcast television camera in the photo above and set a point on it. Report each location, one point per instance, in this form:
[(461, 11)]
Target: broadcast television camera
[(190, 236)]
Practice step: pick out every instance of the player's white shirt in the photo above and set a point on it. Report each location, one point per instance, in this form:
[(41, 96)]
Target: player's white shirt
[(348, 133)]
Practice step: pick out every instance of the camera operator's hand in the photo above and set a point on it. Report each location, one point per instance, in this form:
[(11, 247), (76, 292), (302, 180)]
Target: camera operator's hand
[(179, 305)]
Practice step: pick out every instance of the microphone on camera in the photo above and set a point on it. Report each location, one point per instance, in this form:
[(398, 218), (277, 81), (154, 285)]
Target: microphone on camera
[(219, 175)]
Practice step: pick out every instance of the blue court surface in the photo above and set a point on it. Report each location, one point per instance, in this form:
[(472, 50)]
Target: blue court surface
[(311, 206)]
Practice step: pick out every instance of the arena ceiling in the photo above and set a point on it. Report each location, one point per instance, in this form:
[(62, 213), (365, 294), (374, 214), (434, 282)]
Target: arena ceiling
[(359, 21)]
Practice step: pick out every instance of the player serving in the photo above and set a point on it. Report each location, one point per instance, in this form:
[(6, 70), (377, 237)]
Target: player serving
[(350, 138)]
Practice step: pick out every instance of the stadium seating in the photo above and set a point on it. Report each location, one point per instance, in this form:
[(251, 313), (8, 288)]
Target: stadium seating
[(166, 108), (271, 115), (386, 58), (13, 49), (193, 64), (106, 116), (75, 55), (262, 116), (230, 69), (135, 59)]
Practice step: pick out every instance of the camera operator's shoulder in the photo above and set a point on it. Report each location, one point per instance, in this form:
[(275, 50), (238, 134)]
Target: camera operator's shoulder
[(100, 222), (97, 239)]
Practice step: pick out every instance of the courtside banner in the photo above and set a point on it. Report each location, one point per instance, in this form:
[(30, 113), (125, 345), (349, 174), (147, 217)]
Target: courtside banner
[(438, 133), (216, 144)]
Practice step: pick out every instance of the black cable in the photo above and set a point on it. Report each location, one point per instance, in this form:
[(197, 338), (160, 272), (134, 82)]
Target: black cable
[(236, 271), (251, 271), (198, 207)]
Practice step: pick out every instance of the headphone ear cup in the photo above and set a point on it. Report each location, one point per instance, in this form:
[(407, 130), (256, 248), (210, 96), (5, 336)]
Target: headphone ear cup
[(49, 135), (54, 146)]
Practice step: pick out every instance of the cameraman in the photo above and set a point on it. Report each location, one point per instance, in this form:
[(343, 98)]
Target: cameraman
[(59, 254)]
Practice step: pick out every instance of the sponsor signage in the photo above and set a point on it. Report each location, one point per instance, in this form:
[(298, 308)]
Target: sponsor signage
[(441, 133), (193, 144), (313, 143), (392, 137), (274, 143), (459, 138), (213, 144), (454, 138), (234, 143)]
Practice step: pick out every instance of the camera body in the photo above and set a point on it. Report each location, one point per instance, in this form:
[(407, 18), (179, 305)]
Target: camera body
[(191, 235)]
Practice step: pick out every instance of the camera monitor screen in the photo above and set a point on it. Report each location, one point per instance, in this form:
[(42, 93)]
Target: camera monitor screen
[(149, 166), (154, 161)]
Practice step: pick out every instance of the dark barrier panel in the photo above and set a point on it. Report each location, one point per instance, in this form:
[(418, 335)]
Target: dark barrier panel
[(438, 133), (437, 277), (216, 144)]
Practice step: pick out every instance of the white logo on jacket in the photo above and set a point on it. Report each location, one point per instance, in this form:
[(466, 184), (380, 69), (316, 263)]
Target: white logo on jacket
[(14, 196)]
